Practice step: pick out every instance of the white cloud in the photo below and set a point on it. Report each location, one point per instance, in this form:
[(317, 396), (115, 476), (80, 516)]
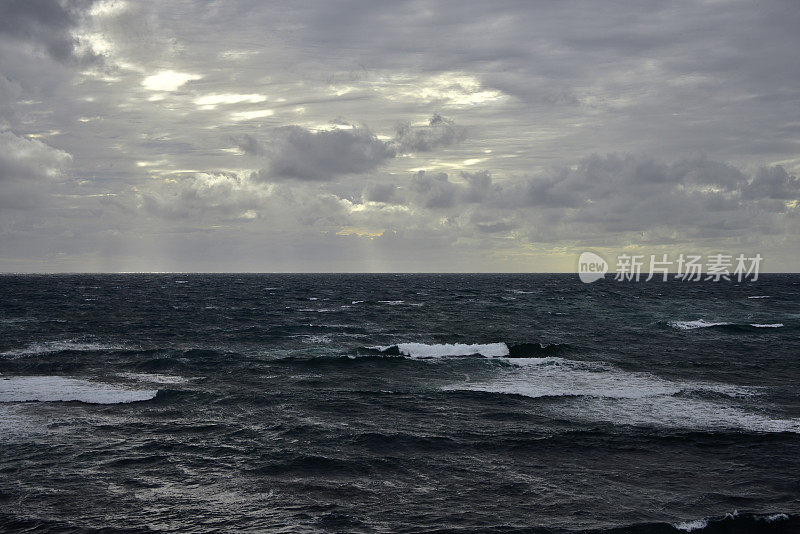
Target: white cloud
[(168, 80), (250, 115)]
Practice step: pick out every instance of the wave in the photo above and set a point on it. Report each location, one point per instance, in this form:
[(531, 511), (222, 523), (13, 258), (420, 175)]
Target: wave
[(699, 323), (154, 378), (49, 347), (702, 323), (422, 350), (450, 350), (65, 389), (736, 522), (760, 297), (599, 392)]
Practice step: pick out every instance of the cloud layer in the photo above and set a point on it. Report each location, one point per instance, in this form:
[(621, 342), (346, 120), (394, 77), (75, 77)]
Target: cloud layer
[(394, 136)]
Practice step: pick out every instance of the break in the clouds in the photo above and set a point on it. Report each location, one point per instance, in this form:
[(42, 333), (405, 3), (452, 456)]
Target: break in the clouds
[(402, 136)]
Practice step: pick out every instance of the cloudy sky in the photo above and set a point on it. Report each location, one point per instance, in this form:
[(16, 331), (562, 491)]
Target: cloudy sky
[(395, 136)]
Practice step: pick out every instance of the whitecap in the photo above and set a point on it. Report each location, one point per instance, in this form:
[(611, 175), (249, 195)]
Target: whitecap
[(699, 323), (422, 350), (154, 378), (64, 389), (776, 517), (689, 526), (601, 392), (392, 302), (767, 325), (47, 347), (760, 297)]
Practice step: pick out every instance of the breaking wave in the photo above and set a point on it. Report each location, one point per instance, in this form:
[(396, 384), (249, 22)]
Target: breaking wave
[(600, 392), (702, 323), (451, 350), (65, 389)]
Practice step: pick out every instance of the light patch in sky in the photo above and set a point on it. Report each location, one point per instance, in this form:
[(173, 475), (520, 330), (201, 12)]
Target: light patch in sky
[(250, 115), (452, 89), (361, 232), (168, 80)]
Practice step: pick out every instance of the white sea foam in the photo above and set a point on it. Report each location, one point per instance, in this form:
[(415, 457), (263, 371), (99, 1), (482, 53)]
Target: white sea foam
[(699, 323), (557, 377), (392, 302), (689, 526), (315, 339), (759, 297), (600, 392), (154, 378), (421, 350), (702, 323), (63, 389), (47, 347)]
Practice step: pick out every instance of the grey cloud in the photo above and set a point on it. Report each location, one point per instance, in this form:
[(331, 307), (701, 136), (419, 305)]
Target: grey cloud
[(496, 227), (599, 178), (27, 166), (379, 192), (299, 153), (317, 156), (439, 132), (539, 85), (44, 22), (435, 190), (221, 193), (773, 183), (248, 144), (615, 195)]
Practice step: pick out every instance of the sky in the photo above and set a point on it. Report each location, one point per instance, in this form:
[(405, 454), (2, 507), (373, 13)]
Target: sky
[(403, 136)]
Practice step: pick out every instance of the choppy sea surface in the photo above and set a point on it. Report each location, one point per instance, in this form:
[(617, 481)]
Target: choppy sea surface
[(398, 403)]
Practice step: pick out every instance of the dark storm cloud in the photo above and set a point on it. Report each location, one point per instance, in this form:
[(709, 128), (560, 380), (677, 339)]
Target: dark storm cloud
[(43, 22)]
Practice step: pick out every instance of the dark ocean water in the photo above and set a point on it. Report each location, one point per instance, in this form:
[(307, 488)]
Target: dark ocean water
[(330, 403)]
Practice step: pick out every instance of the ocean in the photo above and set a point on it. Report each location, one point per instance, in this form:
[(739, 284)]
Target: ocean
[(398, 403)]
